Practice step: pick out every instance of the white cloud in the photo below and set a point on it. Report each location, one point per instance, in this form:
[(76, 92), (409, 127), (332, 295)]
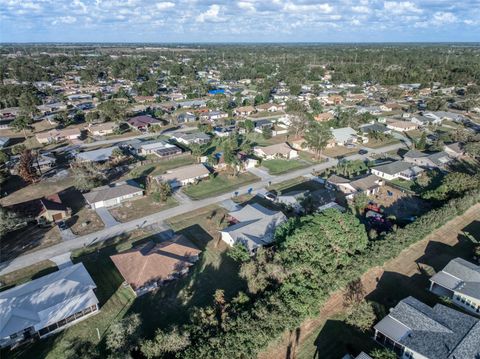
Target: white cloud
[(440, 18), (64, 20), (165, 5), (245, 5), (80, 5), (401, 7), (323, 8), (361, 9), (211, 15)]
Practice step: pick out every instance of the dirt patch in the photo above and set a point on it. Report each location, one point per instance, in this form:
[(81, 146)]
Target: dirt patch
[(85, 221), (432, 252), (139, 208), (400, 204)]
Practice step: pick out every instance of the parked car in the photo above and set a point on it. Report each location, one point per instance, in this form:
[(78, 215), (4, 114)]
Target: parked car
[(362, 152), (270, 196), (62, 225)]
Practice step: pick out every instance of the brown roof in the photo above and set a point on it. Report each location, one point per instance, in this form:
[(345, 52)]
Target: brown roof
[(324, 116), (153, 262)]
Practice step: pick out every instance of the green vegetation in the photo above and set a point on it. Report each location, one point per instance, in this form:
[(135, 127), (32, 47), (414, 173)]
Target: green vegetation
[(219, 184), (160, 167), (279, 166)]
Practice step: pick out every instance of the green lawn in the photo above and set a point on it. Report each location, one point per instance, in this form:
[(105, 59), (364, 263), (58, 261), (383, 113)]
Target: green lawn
[(279, 166), (167, 306), (220, 184), (160, 167)]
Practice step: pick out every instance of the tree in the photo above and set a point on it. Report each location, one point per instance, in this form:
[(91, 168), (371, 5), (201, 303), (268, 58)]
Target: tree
[(9, 221), (165, 342), (316, 106), (249, 125), (317, 137), (239, 253), (298, 124), (267, 132), (3, 157), (360, 202), (361, 315), (454, 184), (473, 149), (22, 123), (197, 151), (123, 336), (383, 354), (26, 168), (87, 175), (422, 142), (162, 191)]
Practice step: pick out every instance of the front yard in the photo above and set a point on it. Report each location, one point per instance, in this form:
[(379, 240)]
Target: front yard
[(220, 184), (279, 166), (160, 167), (139, 208), (373, 143), (339, 151)]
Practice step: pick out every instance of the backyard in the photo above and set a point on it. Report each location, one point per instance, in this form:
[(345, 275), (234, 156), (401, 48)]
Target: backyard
[(279, 166), (220, 184)]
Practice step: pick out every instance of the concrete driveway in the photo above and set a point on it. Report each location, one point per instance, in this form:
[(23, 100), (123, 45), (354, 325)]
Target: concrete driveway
[(106, 217)]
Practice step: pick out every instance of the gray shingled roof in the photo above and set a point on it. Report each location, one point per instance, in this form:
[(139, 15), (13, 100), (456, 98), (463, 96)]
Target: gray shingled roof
[(437, 333), (394, 167), (461, 276), (111, 191)]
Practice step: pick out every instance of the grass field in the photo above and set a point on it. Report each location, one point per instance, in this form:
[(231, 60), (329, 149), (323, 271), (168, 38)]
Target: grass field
[(167, 306), (160, 167), (222, 183), (279, 166)]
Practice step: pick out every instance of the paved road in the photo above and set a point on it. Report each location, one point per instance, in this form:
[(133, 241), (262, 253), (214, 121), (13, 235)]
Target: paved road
[(157, 219)]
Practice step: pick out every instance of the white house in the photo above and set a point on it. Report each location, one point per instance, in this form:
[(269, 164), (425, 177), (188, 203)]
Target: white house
[(398, 169), (58, 135), (46, 305), (459, 281), (102, 129), (253, 226), (402, 126), (182, 176), (279, 150), (111, 195), (346, 136)]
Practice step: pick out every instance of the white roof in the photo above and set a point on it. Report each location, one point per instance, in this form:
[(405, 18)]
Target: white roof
[(46, 300), (102, 154), (343, 134), (256, 225)]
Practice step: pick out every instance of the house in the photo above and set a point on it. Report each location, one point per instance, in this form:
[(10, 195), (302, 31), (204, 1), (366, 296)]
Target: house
[(7, 116), (260, 125), (244, 111), (113, 194), (402, 126), (143, 122), (55, 135), (253, 226), (151, 265), (459, 281), (159, 148), (425, 121), (102, 129), (182, 176), (100, 155), (324, 117), (213, 115), (422, 159), (46, 305), (269, 107), (375, 127), (445, 115), (455, 149), (4, 141), (192, 104), (368, 184), (224, 131), (279, 150), (344, 136), (186, 117), (53, 210), (414, 330), (293, 200), (397, 169), (191, 138)]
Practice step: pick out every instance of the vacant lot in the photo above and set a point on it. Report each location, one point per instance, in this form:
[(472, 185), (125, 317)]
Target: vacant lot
[(339, 151), (27, 239), (160, 167), (259, 140), (221, 183), (140, 208), (279, 166), (372, 143), (328, 336), (399, 203)]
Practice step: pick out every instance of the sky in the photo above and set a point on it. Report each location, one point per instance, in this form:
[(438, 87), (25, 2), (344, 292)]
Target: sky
[(191, 21)]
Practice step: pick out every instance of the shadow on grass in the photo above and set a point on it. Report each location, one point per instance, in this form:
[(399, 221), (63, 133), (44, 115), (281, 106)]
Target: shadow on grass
[(338, 338)]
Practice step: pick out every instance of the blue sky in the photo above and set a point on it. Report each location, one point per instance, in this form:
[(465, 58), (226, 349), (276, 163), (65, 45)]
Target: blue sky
[(239, 21)]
